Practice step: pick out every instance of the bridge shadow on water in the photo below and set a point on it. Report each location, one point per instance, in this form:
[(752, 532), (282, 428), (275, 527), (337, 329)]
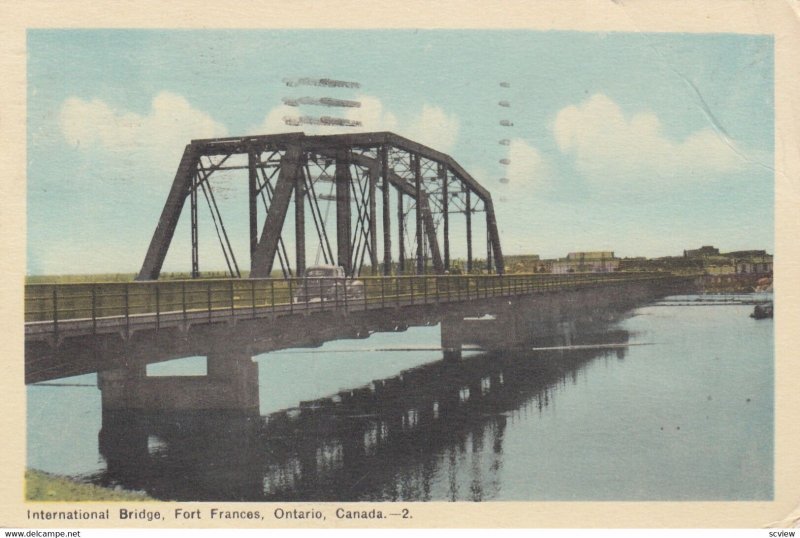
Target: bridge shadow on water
[(399, 438)]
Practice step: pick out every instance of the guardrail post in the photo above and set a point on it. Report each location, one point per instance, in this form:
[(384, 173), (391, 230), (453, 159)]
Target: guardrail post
[(253, 297), (127, 312), (233, 313), (344, 281), (158, 308), (305, 291), (55, 313), (425, 289), (383, 292), (291, 298), (183, 299), (321, 296), (336, 293), (411, 281), (272, 295), (436, 282), (208, 297), (397, 290), (94, 309)]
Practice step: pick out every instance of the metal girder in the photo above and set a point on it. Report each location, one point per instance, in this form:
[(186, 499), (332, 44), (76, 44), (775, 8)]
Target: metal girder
[(387, 213), (430, 232), (343, 180), (428, 226), (442, 173), (159, 244), (264, 255), (291, 179), (220, 146)]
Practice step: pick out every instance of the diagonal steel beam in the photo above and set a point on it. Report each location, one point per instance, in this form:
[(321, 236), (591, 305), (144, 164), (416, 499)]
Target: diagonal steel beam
[(264, 255), (162, 237)]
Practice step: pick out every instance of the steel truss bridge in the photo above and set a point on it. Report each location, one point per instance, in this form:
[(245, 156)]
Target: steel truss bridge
[(376, 181)]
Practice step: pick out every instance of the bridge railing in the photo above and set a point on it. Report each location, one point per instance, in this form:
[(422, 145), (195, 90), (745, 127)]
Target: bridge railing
[(55, 303)]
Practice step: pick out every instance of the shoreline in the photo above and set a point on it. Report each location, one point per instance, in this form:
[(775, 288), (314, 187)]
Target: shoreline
[(43, 486)]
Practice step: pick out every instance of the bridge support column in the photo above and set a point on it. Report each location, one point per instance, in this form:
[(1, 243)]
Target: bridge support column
[(230, 385), (452, 338)]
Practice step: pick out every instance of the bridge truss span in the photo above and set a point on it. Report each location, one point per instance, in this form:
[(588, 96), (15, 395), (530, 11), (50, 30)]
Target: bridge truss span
[(397, 205)]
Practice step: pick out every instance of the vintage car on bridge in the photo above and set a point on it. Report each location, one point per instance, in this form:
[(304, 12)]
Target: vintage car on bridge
[(327, 283)]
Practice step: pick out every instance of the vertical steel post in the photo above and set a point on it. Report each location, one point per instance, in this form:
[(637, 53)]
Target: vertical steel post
[(387, 217), (193, 211), (442, 170), (469, 230), (300, 218), (401, 240), (253, 203), (373, 220), (415, 161), (343, 180), (488, 254)]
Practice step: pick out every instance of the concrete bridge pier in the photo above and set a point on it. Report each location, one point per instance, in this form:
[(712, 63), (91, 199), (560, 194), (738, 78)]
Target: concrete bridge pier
[(452, 329), (230, 385)]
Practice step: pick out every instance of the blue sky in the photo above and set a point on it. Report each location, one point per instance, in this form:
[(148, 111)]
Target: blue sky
[(644, 144)]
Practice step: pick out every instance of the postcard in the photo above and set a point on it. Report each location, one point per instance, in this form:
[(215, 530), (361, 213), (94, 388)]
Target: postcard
[(464, 265)]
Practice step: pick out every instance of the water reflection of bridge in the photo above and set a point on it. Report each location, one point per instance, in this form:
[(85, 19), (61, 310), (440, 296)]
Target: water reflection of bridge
[(393, 439)]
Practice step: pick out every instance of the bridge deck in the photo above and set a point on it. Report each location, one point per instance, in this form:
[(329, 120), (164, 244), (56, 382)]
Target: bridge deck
[(63, 310)]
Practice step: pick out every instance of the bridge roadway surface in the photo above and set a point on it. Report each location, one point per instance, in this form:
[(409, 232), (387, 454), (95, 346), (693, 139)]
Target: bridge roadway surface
[(60, 347)]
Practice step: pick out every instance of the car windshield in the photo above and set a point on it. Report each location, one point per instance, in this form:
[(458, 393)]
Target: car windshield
[(320, 272)]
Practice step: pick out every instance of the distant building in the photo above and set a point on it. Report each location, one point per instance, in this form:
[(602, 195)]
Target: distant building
[(731, 263), (525, 263), (701, 252), (586, 262), (747, 254), (759, 264)]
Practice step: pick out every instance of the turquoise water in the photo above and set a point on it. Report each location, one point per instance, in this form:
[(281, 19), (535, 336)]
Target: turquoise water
[(679, 408)]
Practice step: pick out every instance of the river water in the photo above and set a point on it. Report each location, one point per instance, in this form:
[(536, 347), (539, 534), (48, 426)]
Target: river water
[(672, 402)]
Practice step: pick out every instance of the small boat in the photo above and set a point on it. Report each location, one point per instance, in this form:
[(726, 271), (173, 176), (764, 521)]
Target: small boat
[(762, 311)]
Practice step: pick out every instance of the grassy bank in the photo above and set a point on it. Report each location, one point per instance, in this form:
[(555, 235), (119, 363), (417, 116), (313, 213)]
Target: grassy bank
[(41, 486)]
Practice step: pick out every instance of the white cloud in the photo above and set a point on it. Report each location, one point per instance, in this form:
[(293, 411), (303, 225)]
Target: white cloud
[(609, 146), (527, 169), (431, 126), (156, 136)]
